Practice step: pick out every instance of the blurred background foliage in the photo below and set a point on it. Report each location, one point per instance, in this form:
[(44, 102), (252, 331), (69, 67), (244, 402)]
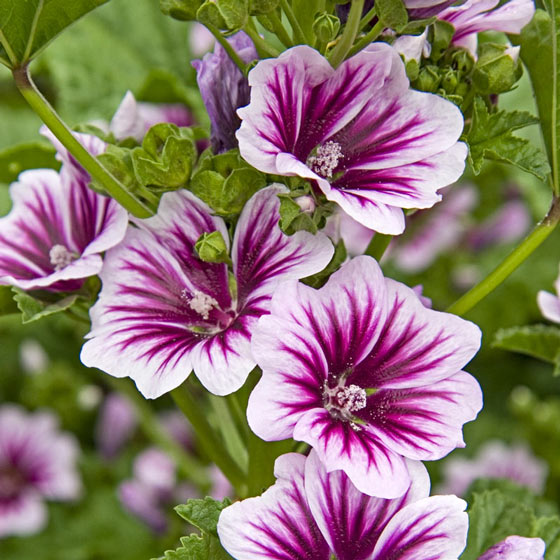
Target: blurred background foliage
[(85, 73)]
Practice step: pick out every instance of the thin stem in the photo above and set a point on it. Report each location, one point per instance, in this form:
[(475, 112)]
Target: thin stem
[(92, 165), (297, 31), (510, 263), (555, 163), (33, 30), (367, 18), (263, 48), (338, 54), (189, 467), (280, 30), (207, 437), (378, 245), (368, 38), (226, 46), (8, 49)]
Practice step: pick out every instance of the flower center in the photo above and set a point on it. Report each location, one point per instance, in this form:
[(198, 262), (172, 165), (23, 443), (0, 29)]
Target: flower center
[(326, 159), (60, 257), (342, 401), (201, 303), (11, 482)]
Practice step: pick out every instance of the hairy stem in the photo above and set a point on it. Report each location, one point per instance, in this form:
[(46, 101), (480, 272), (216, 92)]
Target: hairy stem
[(510, 263), (91, 164), (209, 441), (338, 54)]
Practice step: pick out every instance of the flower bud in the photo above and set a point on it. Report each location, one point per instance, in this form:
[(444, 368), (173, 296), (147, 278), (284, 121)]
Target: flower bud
[(211, 247), (428, 79), (326, 27), (183, 10)]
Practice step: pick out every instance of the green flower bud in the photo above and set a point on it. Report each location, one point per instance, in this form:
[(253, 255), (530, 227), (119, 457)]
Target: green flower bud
[(428, 79), (326, 27), (449, 81), (260, 7), (230, 15), (442, 33), (183, 10), (211, 247), (497, 68)]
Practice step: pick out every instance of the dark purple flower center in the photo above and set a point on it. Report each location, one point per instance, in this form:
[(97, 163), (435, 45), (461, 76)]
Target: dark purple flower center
[(208, 308), (343, 400), (326, 158), (12, 481)]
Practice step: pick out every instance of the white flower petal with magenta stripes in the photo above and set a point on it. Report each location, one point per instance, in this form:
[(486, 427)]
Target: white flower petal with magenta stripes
[(57, 227), (336, 127), (350, 521), (516, 548), (163, 312), (434, 528), (277, 525)]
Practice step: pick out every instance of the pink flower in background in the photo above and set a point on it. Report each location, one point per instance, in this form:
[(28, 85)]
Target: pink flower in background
[(115, 425), (163, 312), (366, 140), (37, 463), (494, 459), (312, 514), (549, 304), (365, 374)]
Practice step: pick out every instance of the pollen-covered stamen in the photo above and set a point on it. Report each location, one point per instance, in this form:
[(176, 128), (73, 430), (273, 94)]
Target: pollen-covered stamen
[(326, 159), (342, 401), (201, 303), (60, 257)]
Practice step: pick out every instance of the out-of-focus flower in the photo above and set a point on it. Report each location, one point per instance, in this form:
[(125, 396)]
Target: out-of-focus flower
[(311, 513), (37, 462), (549, 304), (134, 119), (163, 311), (32, 357), (56, 231), (200, 39), (224, 89), (494, 460), (516, 548), (365, 374), (177, 427), (369, 142), (474, 16), (115, 425)]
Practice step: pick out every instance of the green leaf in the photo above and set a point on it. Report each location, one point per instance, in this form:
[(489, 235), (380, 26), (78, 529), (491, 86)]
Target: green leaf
[(183, 10), (27, 26), (548, 529), (33, 309), (203, 513), (442, 34), (495, 70), (319, 279), (7, 303), (305, 11), (493, 516), (538, 341), (490, 137), (32, 155), (540, 46), (230, 15), (392, 13)]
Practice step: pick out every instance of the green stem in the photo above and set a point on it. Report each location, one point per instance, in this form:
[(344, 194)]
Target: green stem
[(280, 30), (368, 38), (263, 48), (227, 47), (510, 263), (49, 116), (8, 49), (338, 54), (554, 111), (207, 438), (367, 18), (297, 31), (230, 433), (378, 245), (189, 467)]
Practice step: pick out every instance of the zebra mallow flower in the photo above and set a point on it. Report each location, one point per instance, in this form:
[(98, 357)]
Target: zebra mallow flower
[(475, 16), (310, 513), (37, 463), (365, 374), (366, 140), (516, 548), (163, 312), (56, 231)]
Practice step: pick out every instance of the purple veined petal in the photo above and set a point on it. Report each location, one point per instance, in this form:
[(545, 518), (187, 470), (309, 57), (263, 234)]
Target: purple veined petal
[(57, 227), (516, 548), (24, 515), (263, 255), (277, 525), (424, 423), (418, 346), (413, 47), (549, 305), (356, 237), (350, 521), (372, 468), (433, 528)]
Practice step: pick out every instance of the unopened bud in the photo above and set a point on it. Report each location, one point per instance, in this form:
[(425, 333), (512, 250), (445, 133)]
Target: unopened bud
[(326, 27), (211, 247), (428, 79)]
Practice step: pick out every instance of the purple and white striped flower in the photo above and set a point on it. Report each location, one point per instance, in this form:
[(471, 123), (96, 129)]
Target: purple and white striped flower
[(163, 312), (474, 16), (363, 372), (58, 227), (369, 142), (37, 462), (312, 514), (549, 304), (516, 548)]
